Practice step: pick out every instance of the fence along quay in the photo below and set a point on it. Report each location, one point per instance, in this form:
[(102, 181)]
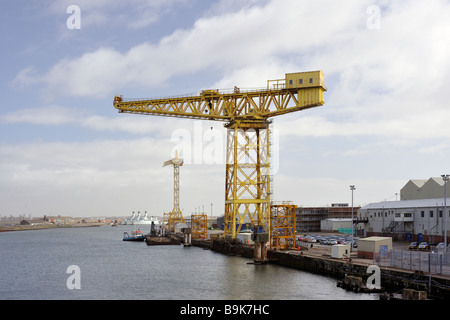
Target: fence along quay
[(393, 278)]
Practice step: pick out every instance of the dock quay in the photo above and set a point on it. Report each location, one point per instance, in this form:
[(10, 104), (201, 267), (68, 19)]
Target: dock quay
[(319, 261), (168, 239)]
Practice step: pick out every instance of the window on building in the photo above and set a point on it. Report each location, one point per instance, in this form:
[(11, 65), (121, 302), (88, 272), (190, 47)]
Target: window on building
[(431, 213), (290, 82), (440, 213), (300, 81), (422, 214), (310, 80)]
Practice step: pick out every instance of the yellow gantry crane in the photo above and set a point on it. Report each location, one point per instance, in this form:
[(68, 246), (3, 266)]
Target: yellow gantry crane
[(176, 216), (247, 115)]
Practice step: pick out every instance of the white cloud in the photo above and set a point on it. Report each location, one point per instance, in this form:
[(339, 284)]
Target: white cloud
[(252, 36), (388, 84), (49, 115), (54, 115), (324, 191), (84, 176), (103, 177), (134, 14), (378, 75), (414, 126)]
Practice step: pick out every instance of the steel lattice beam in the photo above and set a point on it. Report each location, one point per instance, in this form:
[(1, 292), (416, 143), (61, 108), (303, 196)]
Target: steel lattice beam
[(283, 222), (247, 185)]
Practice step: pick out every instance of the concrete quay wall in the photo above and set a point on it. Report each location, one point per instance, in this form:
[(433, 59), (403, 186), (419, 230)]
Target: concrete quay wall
[(392, 280)]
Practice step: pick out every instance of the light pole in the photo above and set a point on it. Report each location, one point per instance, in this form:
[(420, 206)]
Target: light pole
[(352, 188), (445, 177)]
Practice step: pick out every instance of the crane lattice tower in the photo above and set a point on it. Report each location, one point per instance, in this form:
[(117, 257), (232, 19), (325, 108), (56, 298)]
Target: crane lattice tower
[(175, 216)]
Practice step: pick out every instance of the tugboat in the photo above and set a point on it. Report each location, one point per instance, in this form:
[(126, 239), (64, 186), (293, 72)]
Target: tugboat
[(136, 235)]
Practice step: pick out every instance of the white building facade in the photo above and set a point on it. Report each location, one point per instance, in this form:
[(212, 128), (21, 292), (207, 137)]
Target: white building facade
[(421, 219), (334, 224)]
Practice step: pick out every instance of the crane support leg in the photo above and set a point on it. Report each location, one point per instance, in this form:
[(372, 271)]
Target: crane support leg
[(247, 183)]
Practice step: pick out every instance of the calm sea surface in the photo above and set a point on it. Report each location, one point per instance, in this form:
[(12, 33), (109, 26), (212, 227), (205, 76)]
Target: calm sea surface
[(34, 265)]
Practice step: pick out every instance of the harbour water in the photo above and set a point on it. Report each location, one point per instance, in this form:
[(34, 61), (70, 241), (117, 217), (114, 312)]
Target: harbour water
[(34, 266)]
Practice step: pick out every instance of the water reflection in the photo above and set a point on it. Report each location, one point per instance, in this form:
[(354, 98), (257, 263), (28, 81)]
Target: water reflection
[(34, 263)]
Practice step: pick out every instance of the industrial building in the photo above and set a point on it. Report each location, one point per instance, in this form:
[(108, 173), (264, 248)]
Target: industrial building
[(342, 225), (419, 215), (432, 188), (421, 219), (309, 218)]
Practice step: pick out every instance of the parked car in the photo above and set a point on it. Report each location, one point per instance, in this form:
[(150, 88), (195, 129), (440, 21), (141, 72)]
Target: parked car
[(312, 240), (440, 246), (413, 246), (423, 246), (332, 242)]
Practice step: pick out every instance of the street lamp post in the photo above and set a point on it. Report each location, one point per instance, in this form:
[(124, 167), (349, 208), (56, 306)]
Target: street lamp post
[(445, 177), (352, 188)]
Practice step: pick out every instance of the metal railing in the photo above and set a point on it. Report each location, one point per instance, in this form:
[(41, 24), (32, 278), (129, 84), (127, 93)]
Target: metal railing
[(437, 262), (199, 93)]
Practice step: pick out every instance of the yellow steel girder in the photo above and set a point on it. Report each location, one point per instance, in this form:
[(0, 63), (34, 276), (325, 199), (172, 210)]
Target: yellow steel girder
[(247, 186), (199, 226), (225, 106), (283, 224)]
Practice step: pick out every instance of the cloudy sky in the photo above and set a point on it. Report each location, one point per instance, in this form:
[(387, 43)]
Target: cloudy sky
[(65, 150)]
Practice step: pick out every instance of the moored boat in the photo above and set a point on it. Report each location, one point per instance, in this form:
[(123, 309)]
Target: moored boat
[(136, 235), (138, 219)]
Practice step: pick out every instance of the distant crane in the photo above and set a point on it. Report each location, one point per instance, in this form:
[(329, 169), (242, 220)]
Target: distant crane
[(176, 216), (247, 114)]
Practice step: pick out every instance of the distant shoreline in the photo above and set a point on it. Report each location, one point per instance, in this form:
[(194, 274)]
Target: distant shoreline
[(47, 226)]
